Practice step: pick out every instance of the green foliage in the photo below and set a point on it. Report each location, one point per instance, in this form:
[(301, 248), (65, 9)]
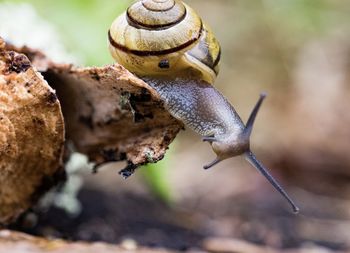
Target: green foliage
[(156, 176), (82, 24), (303, 16)]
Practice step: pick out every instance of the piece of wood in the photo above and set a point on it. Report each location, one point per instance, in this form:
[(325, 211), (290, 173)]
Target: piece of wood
[(14, 242), (31, 135), (109, 115)]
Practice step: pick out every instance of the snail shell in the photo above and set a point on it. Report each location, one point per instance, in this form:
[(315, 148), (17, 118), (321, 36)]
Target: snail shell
[(164, 37)]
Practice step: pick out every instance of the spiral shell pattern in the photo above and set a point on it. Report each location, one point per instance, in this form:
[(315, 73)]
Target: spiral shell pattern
[(153, 15), (155, 36)]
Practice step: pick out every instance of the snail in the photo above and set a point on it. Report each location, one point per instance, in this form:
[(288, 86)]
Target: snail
[(167, 44)]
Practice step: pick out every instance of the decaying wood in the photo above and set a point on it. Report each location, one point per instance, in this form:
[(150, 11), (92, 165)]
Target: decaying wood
[(36, 57), (31, 135), (22, 243), (109, 114)]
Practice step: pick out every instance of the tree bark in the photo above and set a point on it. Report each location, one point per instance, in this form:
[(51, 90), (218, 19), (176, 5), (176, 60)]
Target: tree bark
[(31, 135), (109, 115)]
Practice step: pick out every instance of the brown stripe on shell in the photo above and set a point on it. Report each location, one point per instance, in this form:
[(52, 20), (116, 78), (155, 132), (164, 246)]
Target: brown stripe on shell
[(153, 53), (133, 22), (217, 60)]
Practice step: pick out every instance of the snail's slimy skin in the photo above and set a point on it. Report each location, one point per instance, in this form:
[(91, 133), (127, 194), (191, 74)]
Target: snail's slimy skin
[(205, 110)]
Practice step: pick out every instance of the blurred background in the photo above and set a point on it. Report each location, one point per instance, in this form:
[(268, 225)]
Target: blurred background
[(297, 51)]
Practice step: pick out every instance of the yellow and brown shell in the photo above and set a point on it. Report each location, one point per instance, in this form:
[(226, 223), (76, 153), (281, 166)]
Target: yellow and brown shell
[(164, 37)]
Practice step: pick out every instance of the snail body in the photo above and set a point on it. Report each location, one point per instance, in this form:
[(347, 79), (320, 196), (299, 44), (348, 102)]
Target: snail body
[(201, 107), (168, 45)]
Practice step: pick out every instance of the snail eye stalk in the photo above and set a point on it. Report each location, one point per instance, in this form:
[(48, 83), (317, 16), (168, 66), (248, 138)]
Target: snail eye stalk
[(256, 164), (213, 163), (250, 123), (250, 157)]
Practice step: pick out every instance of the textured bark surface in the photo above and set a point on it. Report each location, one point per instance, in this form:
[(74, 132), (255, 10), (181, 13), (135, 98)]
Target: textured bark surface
[(111, 115), (31, 135), (36, 57)]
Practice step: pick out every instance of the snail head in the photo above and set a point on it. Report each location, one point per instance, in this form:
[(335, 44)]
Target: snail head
[(240, 145)]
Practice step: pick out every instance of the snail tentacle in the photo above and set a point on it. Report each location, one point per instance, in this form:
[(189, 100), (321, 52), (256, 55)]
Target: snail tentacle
[(209, 139), (213, 163)]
